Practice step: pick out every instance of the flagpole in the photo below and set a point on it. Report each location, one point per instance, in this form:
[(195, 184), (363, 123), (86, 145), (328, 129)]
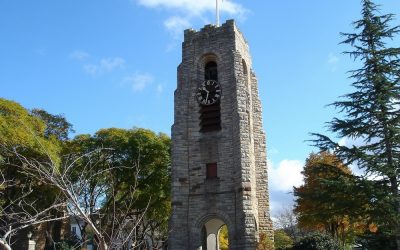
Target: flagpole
[(217, 12)]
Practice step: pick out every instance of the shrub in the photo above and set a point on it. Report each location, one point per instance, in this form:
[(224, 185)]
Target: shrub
[(316, 241), (282, 240), (70, 243), (265, 242)]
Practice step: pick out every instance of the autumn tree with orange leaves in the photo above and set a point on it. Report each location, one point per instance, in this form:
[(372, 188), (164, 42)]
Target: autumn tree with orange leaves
[(325, 202)]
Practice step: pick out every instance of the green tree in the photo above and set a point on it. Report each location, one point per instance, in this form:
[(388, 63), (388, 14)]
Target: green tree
[(56, 125), (149, 154), (371, 114), (137, 179), (265, 243), (326, 201), (282, 240), (117, 181), (24, 133)]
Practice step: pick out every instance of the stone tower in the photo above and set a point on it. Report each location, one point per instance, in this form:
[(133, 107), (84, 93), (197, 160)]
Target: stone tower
[(219, 169)]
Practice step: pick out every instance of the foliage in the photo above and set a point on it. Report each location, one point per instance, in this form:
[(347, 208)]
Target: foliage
[(377, 240), (20, 130), (223, 238), (326, 200), (282, 240), (371, 116), (137, 179), (265, 243), (71, 243), (63, 245), (287, 221), (56, 125), (24, 133), (316, 241), (116, 181)]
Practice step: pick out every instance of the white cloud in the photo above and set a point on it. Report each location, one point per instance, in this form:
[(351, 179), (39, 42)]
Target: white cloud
[(91, 69), (343, 141), (193, 7), (286, 175), (184, 12), (350, 142), (272, 151), (333, 60), (104, 65), (138, 81), (79, 55), (282, 178), (176, 24), (110, 64)]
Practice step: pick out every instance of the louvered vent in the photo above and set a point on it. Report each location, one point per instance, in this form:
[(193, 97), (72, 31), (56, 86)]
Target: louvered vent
[(210, 116)]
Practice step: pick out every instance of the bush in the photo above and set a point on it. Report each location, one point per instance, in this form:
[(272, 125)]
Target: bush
[(71, 243), (316, 241), (282, 240), (379, 240), (265, 242), (64, 245)]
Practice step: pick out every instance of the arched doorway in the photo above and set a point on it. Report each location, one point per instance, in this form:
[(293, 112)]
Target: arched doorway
[(214, 234), (223, 238)]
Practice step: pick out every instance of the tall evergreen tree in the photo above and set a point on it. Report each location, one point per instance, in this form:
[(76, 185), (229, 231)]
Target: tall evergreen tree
[(371, 114)]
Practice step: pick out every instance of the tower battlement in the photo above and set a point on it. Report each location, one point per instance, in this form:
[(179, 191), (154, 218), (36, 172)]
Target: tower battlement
[(212, 33), (228, 27)]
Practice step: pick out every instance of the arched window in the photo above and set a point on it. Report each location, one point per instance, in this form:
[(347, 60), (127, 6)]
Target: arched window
[(211, 71), (210, 115)]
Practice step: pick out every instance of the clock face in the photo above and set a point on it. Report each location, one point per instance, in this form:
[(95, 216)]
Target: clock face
[(208, 93)]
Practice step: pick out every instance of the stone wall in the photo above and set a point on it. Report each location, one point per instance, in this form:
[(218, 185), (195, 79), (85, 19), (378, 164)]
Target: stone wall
[(239, 195)]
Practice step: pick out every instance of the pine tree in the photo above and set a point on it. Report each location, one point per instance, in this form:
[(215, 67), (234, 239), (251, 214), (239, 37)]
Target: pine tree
[(371, 114)]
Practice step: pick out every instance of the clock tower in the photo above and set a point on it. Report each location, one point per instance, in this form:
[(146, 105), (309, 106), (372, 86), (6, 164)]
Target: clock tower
[(219, 168)]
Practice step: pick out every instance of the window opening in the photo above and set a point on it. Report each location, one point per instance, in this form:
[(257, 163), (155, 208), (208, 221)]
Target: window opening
[(211, 170), (211, 71), (210, 116)]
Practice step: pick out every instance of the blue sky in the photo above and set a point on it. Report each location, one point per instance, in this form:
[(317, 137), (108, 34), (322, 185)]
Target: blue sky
[(113, 64)]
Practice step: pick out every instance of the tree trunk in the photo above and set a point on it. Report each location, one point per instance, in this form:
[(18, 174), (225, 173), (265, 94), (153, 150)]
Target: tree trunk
[(397, 230), (102, 244)]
